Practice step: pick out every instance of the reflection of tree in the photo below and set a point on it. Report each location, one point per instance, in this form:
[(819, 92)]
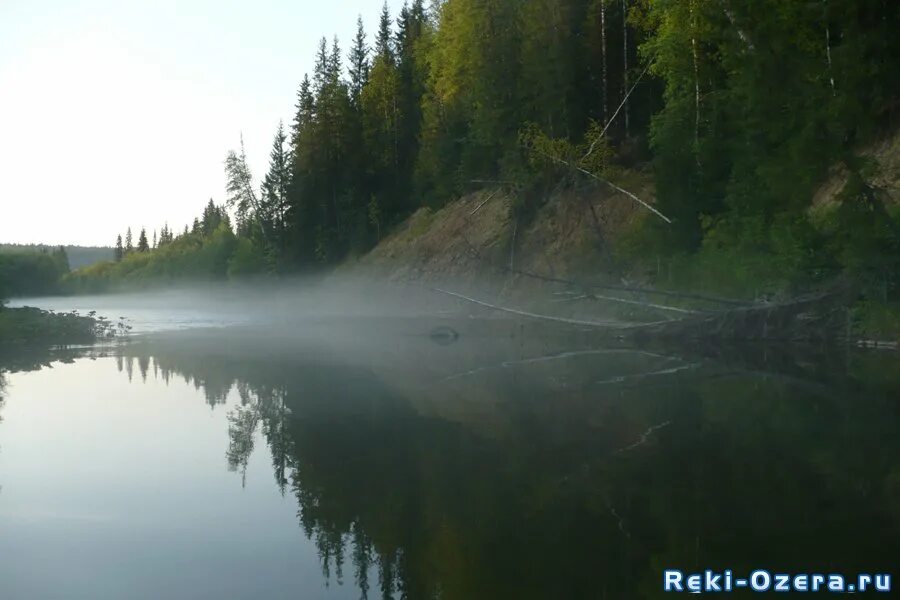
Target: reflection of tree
[(580, 492), (144, 366), (266, 406), (241, 429)]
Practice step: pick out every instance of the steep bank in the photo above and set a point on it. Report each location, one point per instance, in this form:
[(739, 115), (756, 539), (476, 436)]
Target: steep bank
[(478, 243), (585, 233)]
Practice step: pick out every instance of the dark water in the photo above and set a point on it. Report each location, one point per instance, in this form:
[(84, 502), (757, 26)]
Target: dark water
[(365, 459)]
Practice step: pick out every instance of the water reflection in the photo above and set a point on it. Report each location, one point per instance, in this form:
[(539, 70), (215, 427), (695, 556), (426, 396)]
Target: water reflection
[(536, 468)]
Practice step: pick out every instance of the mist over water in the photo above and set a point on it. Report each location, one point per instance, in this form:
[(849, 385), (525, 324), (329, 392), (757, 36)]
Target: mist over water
[(349, 440), (263, 303)]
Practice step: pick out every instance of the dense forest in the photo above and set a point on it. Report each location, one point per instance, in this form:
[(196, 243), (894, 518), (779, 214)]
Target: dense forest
[(33, 272), (78, 256), (735, 111)]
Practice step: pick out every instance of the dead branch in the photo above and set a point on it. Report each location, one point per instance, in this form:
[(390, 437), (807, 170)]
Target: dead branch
[(644, 304), (606, 181), (483, 202), (613, 117)]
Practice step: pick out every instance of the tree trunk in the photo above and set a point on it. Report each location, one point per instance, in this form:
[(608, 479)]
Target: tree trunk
[(625, 62), (696, 79), (828, 51), (603, 59)]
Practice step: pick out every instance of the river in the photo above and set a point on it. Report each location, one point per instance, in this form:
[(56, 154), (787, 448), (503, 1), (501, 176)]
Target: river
[(214, 455)]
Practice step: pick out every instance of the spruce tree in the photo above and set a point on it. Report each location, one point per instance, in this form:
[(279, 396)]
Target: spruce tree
[(119, 252), (164, 235), (129, 246), (276, 184), (299, 215), (358, 68), (334, 62), (305, 111), (383, 45), (321, 68), (143, 246), (211, 218)]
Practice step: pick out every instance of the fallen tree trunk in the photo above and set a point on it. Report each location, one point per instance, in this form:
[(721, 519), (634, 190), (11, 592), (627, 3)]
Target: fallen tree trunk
[(525, 313), (812, 317)]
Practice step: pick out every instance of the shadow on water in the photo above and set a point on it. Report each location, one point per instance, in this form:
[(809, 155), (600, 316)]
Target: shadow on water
[(505, 465)]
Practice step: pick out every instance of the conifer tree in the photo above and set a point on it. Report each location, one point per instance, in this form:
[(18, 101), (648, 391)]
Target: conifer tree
[(212, 218), (143, 245), (358, 67), (275, 185), (165, 236), (321, 68), (129, 247), (383, 43), (119, 252)]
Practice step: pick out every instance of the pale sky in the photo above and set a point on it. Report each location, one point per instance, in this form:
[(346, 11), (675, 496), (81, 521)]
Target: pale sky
[(118, 113)]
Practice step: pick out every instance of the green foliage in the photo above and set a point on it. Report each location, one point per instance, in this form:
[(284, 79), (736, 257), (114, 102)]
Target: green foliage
[(32, 273), (864, 239), (760, 99), (746, 256), (247, 259), (143, 245), (877, 319), (741, 107), (440, 103), (77, 256), (203, 254), (33, 325)]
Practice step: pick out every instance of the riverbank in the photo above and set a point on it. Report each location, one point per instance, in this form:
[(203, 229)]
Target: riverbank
[(29, 325), (585, 253)]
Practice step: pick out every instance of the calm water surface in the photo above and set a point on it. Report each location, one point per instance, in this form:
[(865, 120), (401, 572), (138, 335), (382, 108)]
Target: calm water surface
[(369, 459)]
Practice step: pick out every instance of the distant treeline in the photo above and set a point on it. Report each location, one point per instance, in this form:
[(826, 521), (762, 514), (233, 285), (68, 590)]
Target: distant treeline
[(32, 273), (209, 250), (739, 110), (79, 256)]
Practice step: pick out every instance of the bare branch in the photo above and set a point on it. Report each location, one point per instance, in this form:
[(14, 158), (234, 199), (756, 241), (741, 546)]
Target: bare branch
[(483, 202), (607, 182), (613, 117)]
